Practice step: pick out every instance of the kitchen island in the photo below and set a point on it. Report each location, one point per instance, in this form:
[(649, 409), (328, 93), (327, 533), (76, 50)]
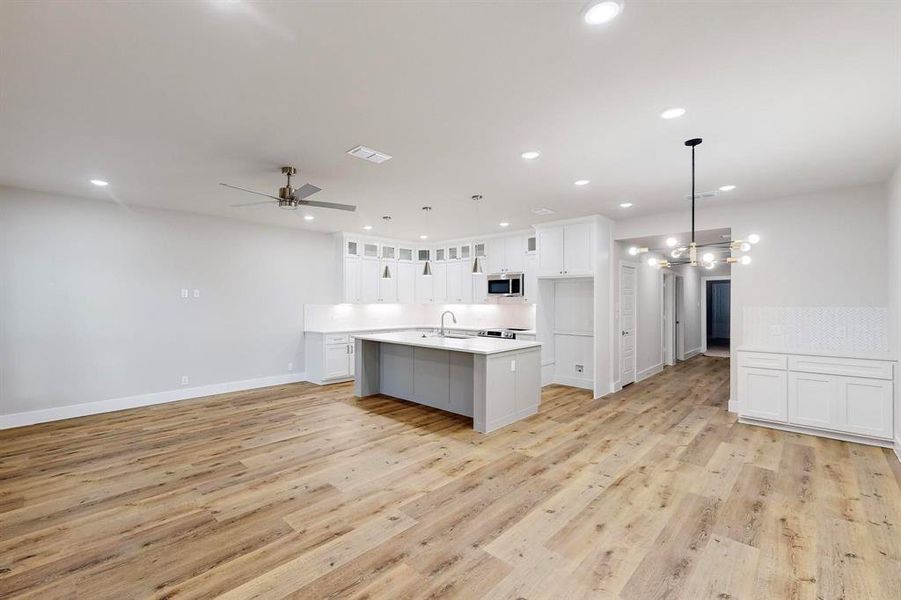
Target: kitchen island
[(494, 381)]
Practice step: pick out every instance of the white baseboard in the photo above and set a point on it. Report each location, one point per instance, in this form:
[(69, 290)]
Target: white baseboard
[(648, 372), (733, 406), (102, 406), (692, 353), (585, 384)]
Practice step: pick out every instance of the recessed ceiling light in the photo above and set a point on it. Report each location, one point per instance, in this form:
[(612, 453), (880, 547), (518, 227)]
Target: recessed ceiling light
[(581, 182), (531, 154), (671, 241), (308, 217), (423, 237), (367, 227), (100, 182), (672, 113), (504, 224), (625, 204), (597, 13), (727, 188)]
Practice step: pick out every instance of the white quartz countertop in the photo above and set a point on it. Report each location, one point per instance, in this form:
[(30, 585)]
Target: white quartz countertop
[(474, 345), (448, 326)]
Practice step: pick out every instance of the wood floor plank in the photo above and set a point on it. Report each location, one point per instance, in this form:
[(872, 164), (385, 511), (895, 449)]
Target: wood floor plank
[(304, 491)]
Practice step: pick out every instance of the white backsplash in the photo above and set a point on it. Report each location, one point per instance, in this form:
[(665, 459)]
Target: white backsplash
[(851, 329), (364, 316)]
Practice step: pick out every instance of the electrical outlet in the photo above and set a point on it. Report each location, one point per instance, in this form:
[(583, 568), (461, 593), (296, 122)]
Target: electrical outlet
[(580, 368), (196, 293), (513, 365), (290, 367), (184, 380), (184, 292)]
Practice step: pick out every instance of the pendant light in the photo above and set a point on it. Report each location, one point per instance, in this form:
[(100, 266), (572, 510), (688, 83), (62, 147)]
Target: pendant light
[(427, 269), (476, 263), (705, 255), (386, 274)]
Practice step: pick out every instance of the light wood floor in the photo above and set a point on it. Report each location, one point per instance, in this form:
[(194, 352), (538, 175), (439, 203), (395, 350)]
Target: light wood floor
[(306, 492)]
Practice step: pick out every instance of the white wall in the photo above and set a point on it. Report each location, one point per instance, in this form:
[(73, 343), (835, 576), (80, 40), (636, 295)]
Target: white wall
[(827, 249), (893, 221), (90, 307)]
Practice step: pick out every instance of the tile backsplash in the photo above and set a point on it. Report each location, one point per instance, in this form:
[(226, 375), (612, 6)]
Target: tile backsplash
[(362, 316), (851, 329)]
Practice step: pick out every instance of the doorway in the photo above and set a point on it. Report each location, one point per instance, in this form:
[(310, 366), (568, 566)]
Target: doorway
[(717, 316)]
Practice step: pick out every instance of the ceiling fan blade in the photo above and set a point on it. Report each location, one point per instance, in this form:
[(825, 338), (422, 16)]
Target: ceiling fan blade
[(234, 187), (251, 204), (306, 190), (333, 205)]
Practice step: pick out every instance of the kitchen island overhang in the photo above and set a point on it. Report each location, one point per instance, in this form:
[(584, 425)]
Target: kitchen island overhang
[(494, 381)]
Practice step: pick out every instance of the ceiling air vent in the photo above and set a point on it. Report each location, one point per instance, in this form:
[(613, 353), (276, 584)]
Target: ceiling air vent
[(542, 211), (369, 154)]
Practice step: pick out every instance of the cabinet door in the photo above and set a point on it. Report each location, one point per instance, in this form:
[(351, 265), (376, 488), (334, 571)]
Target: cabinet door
[(406, 282), (439, 282), (454, 290), (466, 278), (531, 244), (813, 400), (336, 361), (550, 251), (424, 286), (479, 288), (514, 254), (351, 279), (388, 286), (763, 394), (369, 280), (577, 254), (530, 279), (370, 250), (865, 406), (494, 263)]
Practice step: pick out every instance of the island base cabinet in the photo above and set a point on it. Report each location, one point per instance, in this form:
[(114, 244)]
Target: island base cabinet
[(507, 388), (763, 394)]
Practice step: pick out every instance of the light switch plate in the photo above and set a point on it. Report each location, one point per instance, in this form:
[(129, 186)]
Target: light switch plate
[(513, 365), (184, 292)]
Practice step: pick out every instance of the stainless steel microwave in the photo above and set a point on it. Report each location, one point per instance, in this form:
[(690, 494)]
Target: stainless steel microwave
[(505, 284)]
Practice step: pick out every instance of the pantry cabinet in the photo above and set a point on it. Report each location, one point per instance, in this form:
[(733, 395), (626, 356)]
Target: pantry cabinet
[(565, 250)]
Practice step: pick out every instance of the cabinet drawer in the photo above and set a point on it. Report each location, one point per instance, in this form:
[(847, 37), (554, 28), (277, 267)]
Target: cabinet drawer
[(763, 360), (850, 367), (335, 338)]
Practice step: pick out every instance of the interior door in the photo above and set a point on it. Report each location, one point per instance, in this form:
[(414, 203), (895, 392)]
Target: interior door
[(627, 318)]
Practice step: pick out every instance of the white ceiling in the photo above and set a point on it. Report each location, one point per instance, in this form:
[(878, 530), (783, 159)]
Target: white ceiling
[(165, 100)]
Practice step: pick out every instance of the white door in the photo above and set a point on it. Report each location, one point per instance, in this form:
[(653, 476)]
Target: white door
[(550, 251), (514, 254), (351, 279), (627, 319), (439, 282), (454, 283), (577, 248), (388, 286), (369, 280), (496, 256), (336, 363), (763, 394), (406, 282)]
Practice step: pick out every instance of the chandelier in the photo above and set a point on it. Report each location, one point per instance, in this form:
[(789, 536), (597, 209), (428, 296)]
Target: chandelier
[(705, 255)]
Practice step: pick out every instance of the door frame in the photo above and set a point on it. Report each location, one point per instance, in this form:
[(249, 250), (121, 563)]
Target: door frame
[(679, 317), (667, 325), (634, 266), (704, 281)]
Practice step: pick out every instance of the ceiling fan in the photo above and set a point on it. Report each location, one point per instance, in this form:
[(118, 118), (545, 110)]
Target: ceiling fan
[(290, 198)]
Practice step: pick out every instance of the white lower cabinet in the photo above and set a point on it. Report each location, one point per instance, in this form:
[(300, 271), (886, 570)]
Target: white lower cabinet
[(763, 394), (336, 361), (329, 357), (817, 393)]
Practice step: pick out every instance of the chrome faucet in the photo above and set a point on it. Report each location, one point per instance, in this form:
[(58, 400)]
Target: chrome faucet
[(447, 312)]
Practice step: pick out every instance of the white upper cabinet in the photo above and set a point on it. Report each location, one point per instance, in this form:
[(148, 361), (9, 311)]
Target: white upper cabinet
[(370, 249), (369, 280), (405, 254), (424, 287), (532, 244), (351, 248), (565, 250), (505, 255), (406, 282), (351, 279), (455, 281), (439, 282), (388, 285)]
